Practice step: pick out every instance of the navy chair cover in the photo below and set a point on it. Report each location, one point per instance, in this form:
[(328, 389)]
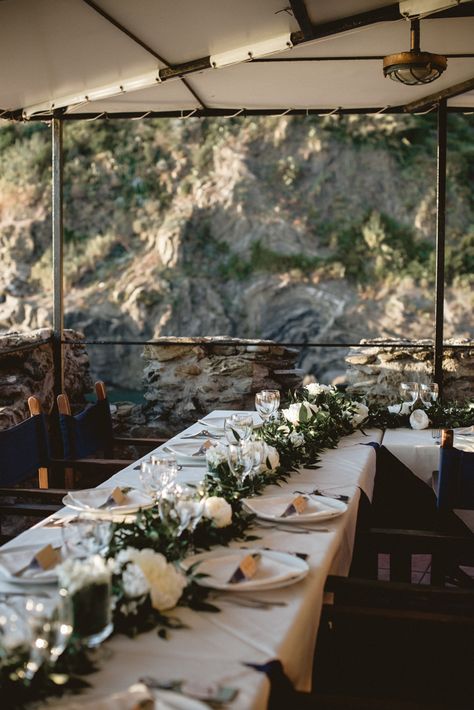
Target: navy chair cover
[(88, 432), (456, 479), (24, 449)]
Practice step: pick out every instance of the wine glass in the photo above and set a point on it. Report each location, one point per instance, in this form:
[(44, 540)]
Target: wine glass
[(241, 459), (409, 391), (425, 394), (434, 392), (238, 427), (267, 403), (50, 620), (86, 535), (166, 467), (181, 507)]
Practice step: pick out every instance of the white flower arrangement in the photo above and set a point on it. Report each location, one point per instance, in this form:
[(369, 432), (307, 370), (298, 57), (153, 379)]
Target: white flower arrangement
[(419, 419), (216, 455), (165, 582), (299, 412), (75, 574), (361, 413), (218, 510), (315, 388), (403, 408)]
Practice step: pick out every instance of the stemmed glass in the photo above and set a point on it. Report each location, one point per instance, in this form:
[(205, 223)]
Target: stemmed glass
[(241, 459), (157, 473), (51, 625), (86, 535), (238, 427), (411, 390), (181, 506), (267, 403)]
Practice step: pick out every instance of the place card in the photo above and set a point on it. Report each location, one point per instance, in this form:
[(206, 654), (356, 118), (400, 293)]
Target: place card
[(296, 507), (203, 448), (246, 569), (117, 496), (48, 557)]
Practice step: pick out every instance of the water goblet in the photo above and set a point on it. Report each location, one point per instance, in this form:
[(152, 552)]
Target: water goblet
[(238, 427), (267, 403), (241, 459), (181, 507), (434, 391), (166, 467), (51, 625), (425, 394), (86, 535)]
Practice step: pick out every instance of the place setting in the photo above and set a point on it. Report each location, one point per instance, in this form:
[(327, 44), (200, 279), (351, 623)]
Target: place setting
[(112, 500)]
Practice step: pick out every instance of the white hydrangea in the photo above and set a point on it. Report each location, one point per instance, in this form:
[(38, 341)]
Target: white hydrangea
[(315, 388), (297, 439), (74, 574), (419, 419), (215, 455), (218, 510), (298, 411), (165, 581), (134, 582), (403, 408), (361, 413)]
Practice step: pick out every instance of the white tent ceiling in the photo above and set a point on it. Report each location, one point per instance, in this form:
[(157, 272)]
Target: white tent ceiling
[(55, 53)]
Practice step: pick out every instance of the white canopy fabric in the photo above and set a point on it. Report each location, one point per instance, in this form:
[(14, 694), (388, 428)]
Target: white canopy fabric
[(65, 54)]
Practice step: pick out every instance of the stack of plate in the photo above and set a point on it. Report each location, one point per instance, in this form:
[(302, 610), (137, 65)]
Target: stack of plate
[(98, 500)]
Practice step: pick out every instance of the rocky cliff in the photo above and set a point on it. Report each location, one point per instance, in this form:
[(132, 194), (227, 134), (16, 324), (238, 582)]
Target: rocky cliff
[(293, 229)]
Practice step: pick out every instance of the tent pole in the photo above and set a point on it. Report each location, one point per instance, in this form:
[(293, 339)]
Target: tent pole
[(57, 251), (440, 243)]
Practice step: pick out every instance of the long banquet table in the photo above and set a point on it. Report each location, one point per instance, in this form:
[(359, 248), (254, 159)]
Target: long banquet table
[(215, 647)]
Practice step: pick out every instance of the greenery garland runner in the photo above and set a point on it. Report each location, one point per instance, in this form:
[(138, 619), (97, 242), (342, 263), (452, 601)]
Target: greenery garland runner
[(146, 581)]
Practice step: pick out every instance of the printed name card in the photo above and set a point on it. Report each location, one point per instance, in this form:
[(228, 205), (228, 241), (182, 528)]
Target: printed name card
[(117, 496), (246, 569), (296, 507), (48, 557), (203, 448)]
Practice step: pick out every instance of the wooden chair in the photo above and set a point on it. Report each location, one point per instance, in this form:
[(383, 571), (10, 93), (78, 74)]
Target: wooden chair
[(25, 456), (398, 644), (89, 434)]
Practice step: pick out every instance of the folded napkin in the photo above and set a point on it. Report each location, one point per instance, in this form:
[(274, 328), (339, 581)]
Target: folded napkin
[(13, 561), (94, 498), (221, 569), (277, 506)]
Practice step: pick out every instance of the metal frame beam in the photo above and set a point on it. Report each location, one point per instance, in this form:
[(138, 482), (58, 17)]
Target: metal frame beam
[(301, 16), (449, 93), (57, 251), (440, 242)]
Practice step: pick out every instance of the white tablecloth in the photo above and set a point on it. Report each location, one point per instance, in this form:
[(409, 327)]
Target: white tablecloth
[(215, 646)]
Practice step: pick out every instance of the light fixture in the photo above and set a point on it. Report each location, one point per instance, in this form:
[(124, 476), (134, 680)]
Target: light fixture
[(143, 81), (251, 51), (414, 67)]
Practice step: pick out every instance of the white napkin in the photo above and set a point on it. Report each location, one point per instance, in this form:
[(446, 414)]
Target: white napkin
[(269, 570), (14, 560), (91, 497)]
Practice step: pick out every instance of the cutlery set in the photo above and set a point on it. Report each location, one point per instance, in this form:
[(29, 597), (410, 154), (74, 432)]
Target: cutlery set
[(317, 492)]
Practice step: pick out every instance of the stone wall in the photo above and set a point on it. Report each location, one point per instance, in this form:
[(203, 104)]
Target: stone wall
[(187, 378), (26, 368), (377, 370)]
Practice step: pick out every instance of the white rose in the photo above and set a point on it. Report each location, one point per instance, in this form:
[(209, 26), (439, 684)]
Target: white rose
[(361, 413), (219, 511), (215, 455), (297, 439), (165, 581), (403, 408), (300, 411), (134, 582), (315, 388), (419, 419), (272, 457)]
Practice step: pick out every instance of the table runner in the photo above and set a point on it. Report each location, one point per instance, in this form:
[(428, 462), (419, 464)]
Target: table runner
[(216, 646)]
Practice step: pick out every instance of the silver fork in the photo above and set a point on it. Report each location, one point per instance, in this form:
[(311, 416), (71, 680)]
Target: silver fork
[(245, 601)]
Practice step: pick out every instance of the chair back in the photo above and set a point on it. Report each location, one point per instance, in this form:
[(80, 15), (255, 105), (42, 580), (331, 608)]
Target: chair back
[(455, 479), (88, 432), (24, 449)]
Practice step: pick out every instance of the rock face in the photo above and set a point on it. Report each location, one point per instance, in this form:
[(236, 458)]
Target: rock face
[(26, 367), (377, 370), (187, 378)]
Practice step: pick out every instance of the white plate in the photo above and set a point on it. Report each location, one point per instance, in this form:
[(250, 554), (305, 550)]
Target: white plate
[(19, 557), (317, 508), (275, 569), (186, 449), (87, 500), (216, 421)]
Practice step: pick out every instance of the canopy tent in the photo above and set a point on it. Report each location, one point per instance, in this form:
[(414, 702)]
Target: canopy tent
[(75, 59), (119, 57)]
